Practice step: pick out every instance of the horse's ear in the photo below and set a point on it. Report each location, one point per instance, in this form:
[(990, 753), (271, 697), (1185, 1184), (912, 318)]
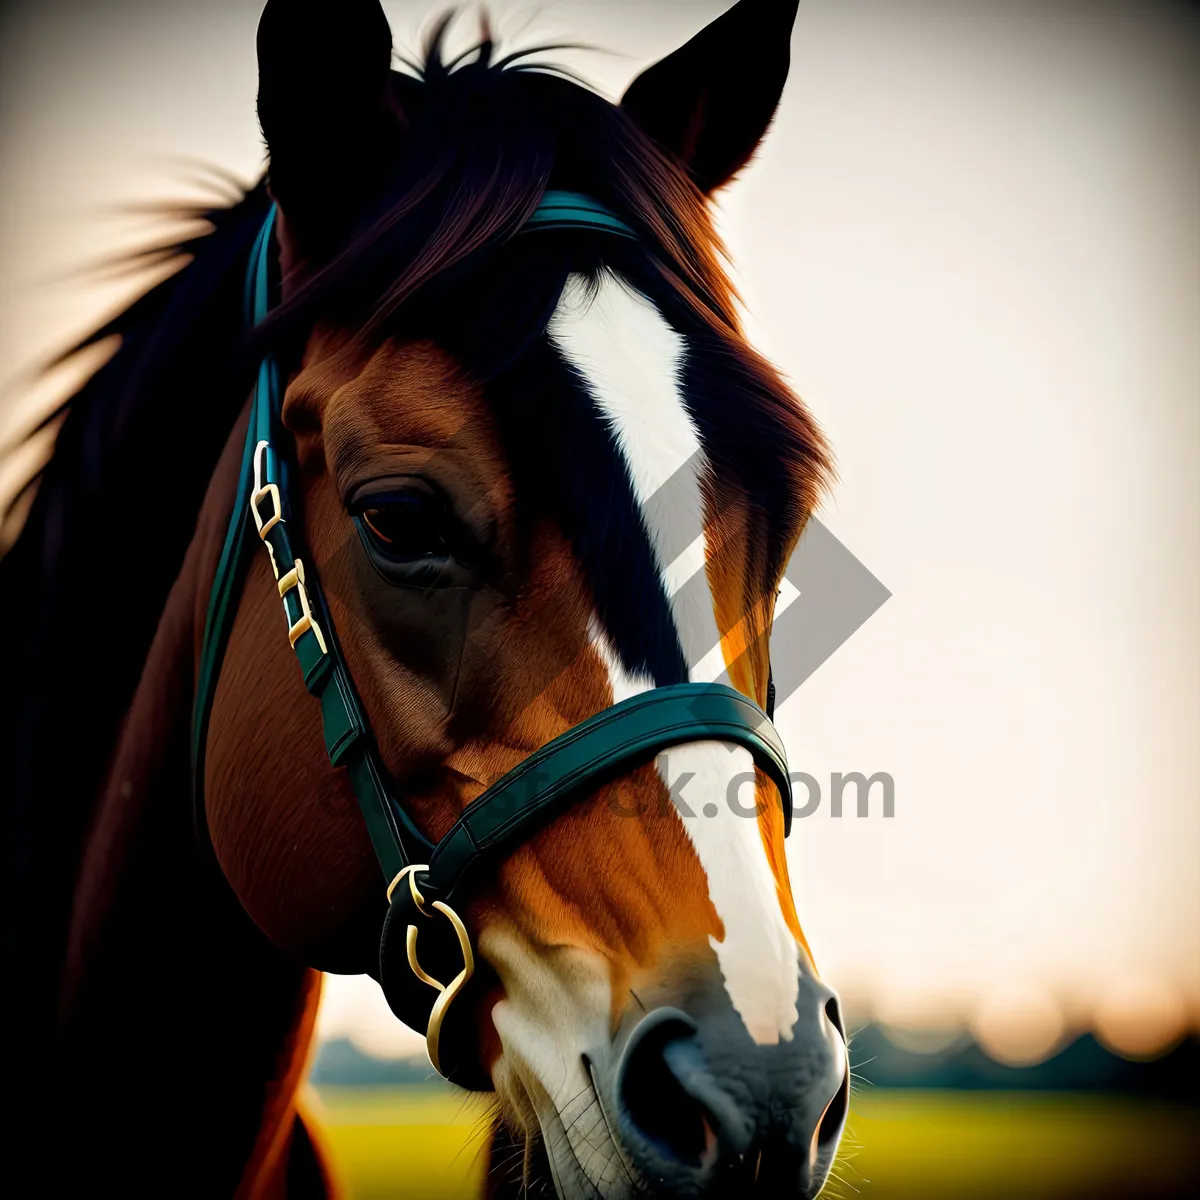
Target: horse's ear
[(324, 106), (710, 102)]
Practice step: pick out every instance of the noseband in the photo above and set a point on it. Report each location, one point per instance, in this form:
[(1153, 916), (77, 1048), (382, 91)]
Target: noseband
[(426, 882)]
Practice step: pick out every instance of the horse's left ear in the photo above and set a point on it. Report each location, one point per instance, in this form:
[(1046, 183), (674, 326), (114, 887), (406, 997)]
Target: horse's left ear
[(710, 102), (326, 110)]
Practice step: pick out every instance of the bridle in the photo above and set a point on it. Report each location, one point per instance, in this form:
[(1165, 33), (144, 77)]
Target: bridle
[(426, 881)]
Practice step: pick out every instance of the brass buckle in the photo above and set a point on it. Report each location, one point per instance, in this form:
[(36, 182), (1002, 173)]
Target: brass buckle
[(295, 579), (262, 490), (447, 992)]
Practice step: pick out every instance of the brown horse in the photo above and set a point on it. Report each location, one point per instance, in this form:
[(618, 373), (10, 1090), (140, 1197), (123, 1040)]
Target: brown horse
[(540, 474)]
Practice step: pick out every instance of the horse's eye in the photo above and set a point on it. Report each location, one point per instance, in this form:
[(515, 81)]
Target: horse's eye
[(408, 527)]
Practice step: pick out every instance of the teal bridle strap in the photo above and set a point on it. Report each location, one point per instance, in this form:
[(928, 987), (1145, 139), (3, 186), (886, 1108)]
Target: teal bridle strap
[(595, 750), (261, 511), (565, 770), (573, 210)]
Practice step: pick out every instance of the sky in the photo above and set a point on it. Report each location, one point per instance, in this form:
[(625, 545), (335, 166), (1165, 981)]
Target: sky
[(971, 241)]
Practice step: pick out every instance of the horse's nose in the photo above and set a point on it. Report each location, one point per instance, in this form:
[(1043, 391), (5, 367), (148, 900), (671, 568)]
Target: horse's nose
[(701, 1110), (676, 1117)]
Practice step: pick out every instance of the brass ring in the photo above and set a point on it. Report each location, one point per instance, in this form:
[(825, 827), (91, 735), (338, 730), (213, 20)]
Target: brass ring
[(447, 991), (410, 871)]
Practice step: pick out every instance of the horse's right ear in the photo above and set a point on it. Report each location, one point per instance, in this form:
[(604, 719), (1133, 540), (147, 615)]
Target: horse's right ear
[(709, 103), (324, 107)]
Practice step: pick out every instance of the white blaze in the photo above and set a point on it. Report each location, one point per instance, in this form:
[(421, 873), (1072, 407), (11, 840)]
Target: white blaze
[(631, 361)]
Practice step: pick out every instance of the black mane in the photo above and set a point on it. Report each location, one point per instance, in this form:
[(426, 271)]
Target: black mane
[(84, 585)]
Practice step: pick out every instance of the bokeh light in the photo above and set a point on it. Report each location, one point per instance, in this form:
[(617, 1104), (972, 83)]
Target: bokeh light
[(1019, 1024), (1140, 1017)]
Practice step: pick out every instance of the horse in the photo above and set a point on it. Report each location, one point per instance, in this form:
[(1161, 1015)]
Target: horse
[(537, 475)]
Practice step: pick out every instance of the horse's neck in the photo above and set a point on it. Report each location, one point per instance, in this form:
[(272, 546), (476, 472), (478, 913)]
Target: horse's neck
[(143, 824), (168, 985)]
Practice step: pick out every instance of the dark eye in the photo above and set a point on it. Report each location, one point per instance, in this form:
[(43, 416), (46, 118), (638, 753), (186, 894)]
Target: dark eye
[(412, 537), (407, 527)]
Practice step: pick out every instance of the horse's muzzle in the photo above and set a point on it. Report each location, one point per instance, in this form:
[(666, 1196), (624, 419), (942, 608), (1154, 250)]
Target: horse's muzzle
[(698, 1109)]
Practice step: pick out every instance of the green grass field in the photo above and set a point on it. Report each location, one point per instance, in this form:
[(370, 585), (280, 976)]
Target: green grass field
[(424, 1144)]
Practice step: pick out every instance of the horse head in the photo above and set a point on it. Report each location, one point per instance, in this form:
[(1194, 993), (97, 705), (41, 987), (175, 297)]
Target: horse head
[(541, 471)]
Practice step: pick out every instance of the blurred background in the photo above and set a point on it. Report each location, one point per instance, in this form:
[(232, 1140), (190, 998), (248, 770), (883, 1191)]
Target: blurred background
[(972, 242)]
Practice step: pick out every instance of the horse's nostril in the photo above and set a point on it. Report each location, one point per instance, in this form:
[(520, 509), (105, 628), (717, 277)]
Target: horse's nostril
[(835, 1113), (652, 1097), (833, 1011)]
